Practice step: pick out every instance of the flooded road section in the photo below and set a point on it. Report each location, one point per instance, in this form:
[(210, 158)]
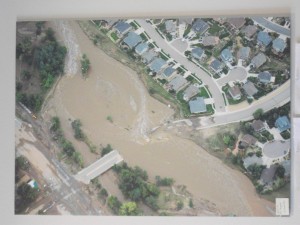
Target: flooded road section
[(115, 108)]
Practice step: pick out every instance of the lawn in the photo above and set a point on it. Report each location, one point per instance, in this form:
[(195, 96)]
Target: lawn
[(163, 56), (184, 105), (114, 36), (134, 25), (144, 37), (187, 30), (203, 93), (214, 29)]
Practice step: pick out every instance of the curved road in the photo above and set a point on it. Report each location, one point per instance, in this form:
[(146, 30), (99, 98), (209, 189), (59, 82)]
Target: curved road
[(213, 87), (272, 26)]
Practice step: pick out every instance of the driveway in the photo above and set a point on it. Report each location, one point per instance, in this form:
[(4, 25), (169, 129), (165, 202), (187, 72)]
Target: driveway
[(236, 74), (180, 58), (272, 26)]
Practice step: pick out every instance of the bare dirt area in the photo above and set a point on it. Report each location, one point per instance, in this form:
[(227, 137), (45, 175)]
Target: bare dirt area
[(114, 90)]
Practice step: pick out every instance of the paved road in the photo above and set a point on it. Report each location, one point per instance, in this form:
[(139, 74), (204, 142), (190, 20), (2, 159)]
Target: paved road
[(272, 26), (276, 98), (236, 74), (180, 58), (99, 167)]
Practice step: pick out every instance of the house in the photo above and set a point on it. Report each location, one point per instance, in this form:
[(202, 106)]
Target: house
[(141, 48), (263, 38), (268, 174), (190, 92), (169, 72), (278, 45), (252, 160), (197, 53), (226, 55), (186, 20), (170, 26), (282, 123), (177, 83), (264, 77), (258, 125), (210, 40), (250, 88), (235, 92), (122, 28), (249, 31), (200, 26), (148, 56), (157, 65), (132, 39), (107, 23), (236, 23), (216, 66), (243, 53), (247, 140), (258, 60), (198, 105)]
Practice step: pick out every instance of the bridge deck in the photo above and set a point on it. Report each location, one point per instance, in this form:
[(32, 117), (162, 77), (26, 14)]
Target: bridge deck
[(99, 167)]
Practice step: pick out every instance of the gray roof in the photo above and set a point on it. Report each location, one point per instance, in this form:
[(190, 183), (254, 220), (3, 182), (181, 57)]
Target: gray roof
[(190, 92), (282, 123), (234, 91), (149, 55), (264, 38), (249, 30), (226, 55), (200, 26), (141, 48), (264, 77), (168, 71), (122, 27), (250, 88), (216, 65), (210, 40), (249, 139), (259, 60), (252, 160), (243, 53), (177, 83), (198, 105), (287, 166), (187, 20), (132, 39), (197, 52), (157, 64), (257, 125), (170, 26), (279, 45), (268, 174), (237, 22)]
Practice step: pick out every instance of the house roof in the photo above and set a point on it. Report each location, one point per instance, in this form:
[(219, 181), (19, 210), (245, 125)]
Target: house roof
[(279, 45), (132, 39), (157, 64), (149, 55), (264, 38), (264, 77), (234, 91), (197, 52), (236, 22), (170, 26), (259, 60), (141, 48), (187, 20), (177, 83), (252, 160), (243, 53), (168, 71), (190, 92), (249, 30), (287, 166), (122, 27), (250, 88), (210, 40), (249, 139), (282, 123), (257, 125), (198, 105), (200, 26), (226, 55), (268, 174), (216, 65)]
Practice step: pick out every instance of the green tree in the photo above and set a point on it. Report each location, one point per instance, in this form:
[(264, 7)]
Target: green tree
[(106, 150), (114, 204), (39, 26), (21, 163), (27, 193), (256, 170), (68, 147), (258, 114), (280, 171), (55, 123), (129, 209), (85, 64), (24, 48), (78, 134), (78, 158)]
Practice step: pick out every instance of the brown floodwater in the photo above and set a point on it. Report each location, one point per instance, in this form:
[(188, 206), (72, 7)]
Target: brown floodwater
[(115, 91)]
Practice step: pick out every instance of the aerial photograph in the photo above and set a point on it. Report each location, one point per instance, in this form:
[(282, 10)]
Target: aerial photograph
[(183, 116)]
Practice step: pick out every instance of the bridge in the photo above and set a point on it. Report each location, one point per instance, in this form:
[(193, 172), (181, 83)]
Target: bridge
[(99, 167)]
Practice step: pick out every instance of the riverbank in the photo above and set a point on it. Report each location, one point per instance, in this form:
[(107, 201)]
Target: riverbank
[(114, 90)]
